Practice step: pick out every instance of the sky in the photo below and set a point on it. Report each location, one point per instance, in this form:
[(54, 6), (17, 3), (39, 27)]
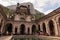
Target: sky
[(44, 6)]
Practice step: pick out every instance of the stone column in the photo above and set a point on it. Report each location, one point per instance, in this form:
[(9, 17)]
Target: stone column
[(26, 30), (47, 28), (55, 27), (18, 30), (30, 30), (41, 28), (2, 27), (13, 29), (37, 27), (58, 27)]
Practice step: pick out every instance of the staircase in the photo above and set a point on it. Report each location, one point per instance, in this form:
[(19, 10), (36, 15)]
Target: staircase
[(5, 37)]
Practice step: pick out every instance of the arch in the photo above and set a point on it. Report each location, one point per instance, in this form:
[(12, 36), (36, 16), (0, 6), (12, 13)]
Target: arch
[(59, 21), (51, 27), (22, 29), (16, 31), (44, 27), (33, 29), (8, 28)]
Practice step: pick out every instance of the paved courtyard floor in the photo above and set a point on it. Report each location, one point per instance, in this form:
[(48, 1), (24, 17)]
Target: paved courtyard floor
[(5, 37)]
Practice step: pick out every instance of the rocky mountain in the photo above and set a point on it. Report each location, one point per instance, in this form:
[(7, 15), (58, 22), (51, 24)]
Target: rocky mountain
[(11, 9), (37, 14)]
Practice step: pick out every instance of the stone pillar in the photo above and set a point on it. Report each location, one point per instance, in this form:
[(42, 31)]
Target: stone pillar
[(37, 27), (2, 27), (30, 30), (26, 30), (47, 28), (41, 28), (13, 29), (18, 30), (55, 27), (58, 27)]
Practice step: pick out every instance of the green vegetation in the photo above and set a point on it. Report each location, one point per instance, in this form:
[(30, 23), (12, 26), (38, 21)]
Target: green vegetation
[(6, 11), (38, 15)]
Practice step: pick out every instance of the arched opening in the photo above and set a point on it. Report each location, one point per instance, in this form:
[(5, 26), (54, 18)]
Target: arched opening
[(8, 29), (44, 28), (33, 29), (22, 29), (51, 27), (28, 31), (15, 31)]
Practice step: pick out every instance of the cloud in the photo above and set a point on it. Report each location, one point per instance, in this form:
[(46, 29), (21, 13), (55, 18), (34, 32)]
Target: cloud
[(44, 6), (8, 2), (4, 3), (48, 11), (51, 5)]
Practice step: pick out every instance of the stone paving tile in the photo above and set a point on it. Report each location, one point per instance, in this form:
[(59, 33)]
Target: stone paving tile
[(5, 37)]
